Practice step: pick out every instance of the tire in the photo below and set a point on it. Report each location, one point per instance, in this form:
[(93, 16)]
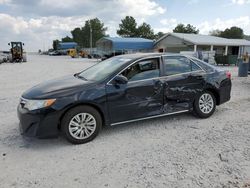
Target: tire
[(24, 59), (80, 121), (204, 104)]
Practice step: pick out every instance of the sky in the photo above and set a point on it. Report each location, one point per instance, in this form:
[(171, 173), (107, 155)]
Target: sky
[(38, 22)]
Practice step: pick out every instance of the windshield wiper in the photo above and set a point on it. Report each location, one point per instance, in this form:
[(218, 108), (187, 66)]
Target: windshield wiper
[(81, 77)]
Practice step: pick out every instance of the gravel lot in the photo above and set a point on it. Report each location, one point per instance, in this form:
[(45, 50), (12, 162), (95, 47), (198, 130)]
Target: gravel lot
[(173, 151)]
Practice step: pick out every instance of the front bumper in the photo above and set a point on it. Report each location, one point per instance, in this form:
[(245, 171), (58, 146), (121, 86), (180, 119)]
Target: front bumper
[(41, 123)]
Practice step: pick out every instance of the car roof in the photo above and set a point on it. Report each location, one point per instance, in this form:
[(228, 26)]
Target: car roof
[(144, 55)]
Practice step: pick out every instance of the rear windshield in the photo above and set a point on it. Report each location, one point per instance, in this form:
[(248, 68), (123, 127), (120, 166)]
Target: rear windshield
[(205, 66)]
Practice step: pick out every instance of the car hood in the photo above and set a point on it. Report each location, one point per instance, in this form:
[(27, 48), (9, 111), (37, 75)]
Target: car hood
[(60, 87)]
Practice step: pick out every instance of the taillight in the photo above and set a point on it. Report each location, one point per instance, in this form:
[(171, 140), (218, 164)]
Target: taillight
[(228, 74)]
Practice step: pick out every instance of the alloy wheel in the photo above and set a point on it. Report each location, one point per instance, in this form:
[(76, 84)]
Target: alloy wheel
[(206, 103), (82, 126)]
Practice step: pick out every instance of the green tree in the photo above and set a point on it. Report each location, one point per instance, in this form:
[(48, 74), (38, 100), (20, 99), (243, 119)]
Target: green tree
[(230, 33), (247, 37), (67, 39), (145, 31), (127, 27), (233, 33), (181, 28), (55, 44), (216, 33), (158, 35), (82, 35), (96, 27), (77, 36)]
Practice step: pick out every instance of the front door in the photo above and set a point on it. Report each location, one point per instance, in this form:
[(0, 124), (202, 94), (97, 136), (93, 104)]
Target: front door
[(141, 97)]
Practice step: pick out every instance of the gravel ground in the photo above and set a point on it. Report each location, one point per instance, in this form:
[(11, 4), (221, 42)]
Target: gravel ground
[(173, 151)]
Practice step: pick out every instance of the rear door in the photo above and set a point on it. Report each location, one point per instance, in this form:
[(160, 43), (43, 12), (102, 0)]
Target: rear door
[(181, 83), (141, 97)]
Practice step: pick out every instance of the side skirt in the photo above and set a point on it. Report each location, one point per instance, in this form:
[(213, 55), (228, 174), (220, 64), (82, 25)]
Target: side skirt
[(150, 117)]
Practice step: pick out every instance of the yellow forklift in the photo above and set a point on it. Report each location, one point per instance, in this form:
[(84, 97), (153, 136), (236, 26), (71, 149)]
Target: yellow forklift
[(17, 52), (74, 54)]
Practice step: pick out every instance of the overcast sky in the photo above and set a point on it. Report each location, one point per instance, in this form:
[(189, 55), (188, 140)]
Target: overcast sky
[(38, 22)]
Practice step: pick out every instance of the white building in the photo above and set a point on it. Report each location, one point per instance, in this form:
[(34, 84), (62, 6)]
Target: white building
[(176, 42)]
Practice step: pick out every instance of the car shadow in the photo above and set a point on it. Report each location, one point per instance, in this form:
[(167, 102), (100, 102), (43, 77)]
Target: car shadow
[(165, 121), (13, 139)]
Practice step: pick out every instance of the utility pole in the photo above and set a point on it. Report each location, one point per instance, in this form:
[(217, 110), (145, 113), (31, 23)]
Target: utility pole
[(90, 40)]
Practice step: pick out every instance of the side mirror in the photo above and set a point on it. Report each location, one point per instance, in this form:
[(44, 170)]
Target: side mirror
[(8, 43), (23, 44), (119, 79)]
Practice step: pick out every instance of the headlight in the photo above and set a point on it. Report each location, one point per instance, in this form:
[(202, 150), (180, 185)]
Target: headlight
[(37, 104)]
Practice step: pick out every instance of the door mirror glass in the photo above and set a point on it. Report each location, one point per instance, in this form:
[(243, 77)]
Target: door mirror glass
[(120, 79)]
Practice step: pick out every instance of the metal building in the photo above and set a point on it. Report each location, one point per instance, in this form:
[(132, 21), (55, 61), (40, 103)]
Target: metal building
[(176, 42), (66, 45), (108, 45), (222, 50)]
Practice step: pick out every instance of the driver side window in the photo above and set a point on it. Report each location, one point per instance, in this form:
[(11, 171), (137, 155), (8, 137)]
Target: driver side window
[(142, 70)]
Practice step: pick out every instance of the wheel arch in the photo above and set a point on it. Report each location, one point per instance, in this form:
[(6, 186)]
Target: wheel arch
[(96, 107), (215, 93)]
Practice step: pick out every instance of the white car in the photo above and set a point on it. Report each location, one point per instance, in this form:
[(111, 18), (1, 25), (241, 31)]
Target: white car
[(3, 58)]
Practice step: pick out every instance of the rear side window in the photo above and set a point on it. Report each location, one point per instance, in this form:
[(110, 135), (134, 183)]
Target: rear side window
[(195, 67), (205, 66), (176, 65)]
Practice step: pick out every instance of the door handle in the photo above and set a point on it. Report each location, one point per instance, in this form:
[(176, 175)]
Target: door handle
[(199, 77), (158, 86)]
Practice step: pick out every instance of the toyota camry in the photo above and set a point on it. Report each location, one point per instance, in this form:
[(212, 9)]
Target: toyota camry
[(119, 90)]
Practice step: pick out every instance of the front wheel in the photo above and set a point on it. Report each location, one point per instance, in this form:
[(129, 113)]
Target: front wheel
[(81, 124), (205, 104)]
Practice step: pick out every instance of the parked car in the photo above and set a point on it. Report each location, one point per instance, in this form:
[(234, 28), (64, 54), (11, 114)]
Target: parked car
[(3, 58), (106, 56), (54, 53), (93, 55), (119, 90)]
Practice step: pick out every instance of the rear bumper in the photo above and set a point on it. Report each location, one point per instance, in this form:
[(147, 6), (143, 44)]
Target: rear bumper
[(225, 91), (38, 123)]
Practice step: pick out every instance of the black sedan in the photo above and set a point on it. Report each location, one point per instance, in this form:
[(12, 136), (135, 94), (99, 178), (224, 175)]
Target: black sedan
[(122, 89)]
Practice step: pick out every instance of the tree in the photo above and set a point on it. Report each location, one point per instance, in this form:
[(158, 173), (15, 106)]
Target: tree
[(98, 31), (233, 33), (127, 27), (181, 28), (55, 44), (78, 36), (67, 39), (82, 35), (216, 33), (247, 37), (158, 35), (145, 31), (230, 33)]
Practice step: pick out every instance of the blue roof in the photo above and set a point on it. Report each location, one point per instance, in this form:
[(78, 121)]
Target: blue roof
[(119, 43), (67, 45)]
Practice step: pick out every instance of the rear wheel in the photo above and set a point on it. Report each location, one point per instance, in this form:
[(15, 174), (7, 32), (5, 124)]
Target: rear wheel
[(81, 124), (205, 104), (24, 59)]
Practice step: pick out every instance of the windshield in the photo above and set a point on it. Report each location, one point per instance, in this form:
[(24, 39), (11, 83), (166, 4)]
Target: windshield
[(103, 69)]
